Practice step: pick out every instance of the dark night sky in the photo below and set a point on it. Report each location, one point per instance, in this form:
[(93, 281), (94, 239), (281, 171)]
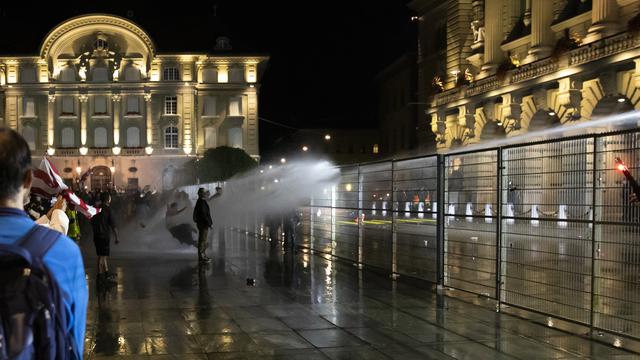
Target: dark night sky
[(324, 54)]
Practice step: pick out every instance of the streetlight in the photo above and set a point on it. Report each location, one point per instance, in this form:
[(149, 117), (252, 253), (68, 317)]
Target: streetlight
[(305, 148), (327, 137), (283, 160)]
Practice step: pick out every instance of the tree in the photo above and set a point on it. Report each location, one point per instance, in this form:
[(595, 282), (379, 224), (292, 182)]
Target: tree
[(221, 163)]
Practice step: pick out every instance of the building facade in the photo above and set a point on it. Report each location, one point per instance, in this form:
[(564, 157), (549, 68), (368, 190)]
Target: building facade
[(99, 96), (498, 68), (396, 102)]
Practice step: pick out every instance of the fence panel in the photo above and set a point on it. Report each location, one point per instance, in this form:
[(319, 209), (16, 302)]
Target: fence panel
[(616, 304), (376, 188), (415, 195), (470, 226), (547, 197)]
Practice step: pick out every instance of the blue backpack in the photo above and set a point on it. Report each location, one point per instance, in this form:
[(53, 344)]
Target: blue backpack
[(32, 315)]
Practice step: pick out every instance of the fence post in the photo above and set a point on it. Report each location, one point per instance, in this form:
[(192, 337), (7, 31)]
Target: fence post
[(360, 224), (394, 214), (440, 223), (593, 233), (499, 168)]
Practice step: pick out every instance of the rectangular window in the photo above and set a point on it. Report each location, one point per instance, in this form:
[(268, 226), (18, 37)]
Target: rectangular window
[(28, 107), (100, 105), (171, 74), (133, 105), (376, 149), (210, 137), (209, 105), (171, 105), (68, 105), (235, 106), (171, 137)]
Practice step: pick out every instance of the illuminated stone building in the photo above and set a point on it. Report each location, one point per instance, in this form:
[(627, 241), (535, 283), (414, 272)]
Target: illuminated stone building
[(99, 95), (498, 68)]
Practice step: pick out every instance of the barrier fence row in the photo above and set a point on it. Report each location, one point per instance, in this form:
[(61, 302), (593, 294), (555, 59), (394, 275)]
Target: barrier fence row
[(547, 227)]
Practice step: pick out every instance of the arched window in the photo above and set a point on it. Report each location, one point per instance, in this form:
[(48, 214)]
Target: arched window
[(131, 73), (100, 137), (68, 74), (236, 75), (235, 137), (133, 137), (68, 138), (29, 134), (171, 137), (210, 137), (100, 74), (210, 75)]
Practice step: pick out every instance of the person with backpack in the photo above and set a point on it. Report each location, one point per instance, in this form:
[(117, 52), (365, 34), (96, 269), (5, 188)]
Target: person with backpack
[(39, 266)]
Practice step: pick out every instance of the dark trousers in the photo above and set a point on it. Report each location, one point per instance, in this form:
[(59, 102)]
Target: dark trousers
[(203, 235)]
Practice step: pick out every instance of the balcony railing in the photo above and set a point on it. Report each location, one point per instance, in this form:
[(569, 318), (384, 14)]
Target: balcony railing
[(584, 54)]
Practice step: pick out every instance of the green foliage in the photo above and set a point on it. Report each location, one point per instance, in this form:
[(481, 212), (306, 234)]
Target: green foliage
[(221, 163)]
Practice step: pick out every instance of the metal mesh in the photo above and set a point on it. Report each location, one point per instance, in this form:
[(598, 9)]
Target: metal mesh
[(546, 239), (470, 231), (376, 187), (616, 302), (415, 184), (568, 243)]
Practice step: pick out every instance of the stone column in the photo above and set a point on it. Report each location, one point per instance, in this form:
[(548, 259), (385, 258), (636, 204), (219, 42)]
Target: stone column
[(83, 118), (604, 20), (493, 55), (466, 118), (511, 111), (570, 97), (115, 98), (148, 113), (541, 33), (51, 113), (438, 126)]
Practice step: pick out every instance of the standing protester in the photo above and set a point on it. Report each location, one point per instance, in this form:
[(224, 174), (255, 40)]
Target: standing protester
[(56, 269), (103, 224), (74, 225), (202, 218)]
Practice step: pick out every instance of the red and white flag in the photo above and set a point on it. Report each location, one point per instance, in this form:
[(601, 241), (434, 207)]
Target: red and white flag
[(48, 183)]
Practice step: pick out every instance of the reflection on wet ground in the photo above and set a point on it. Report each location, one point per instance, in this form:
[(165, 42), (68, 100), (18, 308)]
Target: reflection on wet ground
[(301, 307)]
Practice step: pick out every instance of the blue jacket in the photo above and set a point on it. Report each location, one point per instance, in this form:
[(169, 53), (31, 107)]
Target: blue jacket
[(64, 261)]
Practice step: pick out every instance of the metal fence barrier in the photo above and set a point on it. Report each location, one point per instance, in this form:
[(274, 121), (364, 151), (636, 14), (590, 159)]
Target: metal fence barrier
[(548, 227)]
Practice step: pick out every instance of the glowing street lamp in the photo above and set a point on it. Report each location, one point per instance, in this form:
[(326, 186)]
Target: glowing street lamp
[(327, 137), (305, 148), (283, 160)]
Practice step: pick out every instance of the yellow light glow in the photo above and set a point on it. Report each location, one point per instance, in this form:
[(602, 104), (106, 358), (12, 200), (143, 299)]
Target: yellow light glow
[(376, 149), (348, 187), (84, 150), (223, 74)]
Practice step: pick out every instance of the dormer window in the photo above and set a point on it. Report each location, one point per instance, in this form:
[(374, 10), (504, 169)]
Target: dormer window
[(101, 44)]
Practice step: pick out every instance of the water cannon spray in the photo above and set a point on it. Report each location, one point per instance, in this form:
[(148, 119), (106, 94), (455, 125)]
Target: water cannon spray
[(620, 166)]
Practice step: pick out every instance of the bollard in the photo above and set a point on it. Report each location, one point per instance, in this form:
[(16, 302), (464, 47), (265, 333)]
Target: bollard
[(534, 215), (562, 215), (510, 214), (488, 213), (469, 212), (421, 210)]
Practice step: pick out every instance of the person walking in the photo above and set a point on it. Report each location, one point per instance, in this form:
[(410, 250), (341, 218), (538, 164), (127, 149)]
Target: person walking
[(103, 225), (202, 218)]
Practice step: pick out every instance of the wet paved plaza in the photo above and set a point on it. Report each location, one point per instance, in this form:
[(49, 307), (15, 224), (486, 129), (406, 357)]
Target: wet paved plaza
[(301, 307)]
